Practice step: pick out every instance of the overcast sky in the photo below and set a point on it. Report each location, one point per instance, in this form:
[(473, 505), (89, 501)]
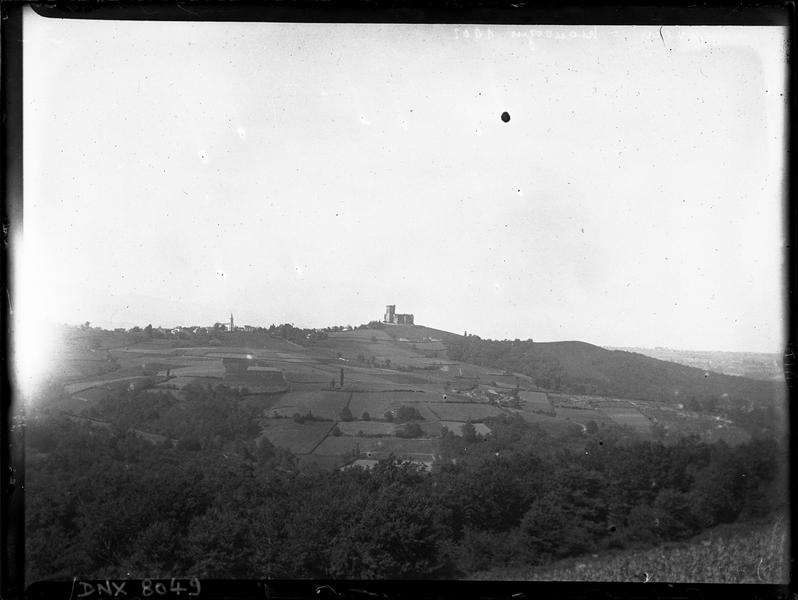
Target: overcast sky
[(175, 172)]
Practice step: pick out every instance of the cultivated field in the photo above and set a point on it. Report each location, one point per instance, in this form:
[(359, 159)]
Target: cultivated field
[(583, 415), (346, 445), (366, 428), (450, 411), (384, 369), (324, 405), (178, 383), (625, 414), (535, 401), (211, 368), (299, 438), (73, 388), (456, 427), (377, 404)]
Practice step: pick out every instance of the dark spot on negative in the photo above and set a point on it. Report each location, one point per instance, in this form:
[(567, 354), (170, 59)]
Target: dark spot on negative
[(505, 116)]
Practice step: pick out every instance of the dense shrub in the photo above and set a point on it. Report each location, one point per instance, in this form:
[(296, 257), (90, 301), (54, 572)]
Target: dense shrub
[(105, 505)]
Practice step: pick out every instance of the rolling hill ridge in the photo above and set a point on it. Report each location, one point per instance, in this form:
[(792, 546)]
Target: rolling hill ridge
[(583, 368)]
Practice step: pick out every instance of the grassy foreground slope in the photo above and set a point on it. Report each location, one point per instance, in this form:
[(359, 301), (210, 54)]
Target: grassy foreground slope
[(737, 553)]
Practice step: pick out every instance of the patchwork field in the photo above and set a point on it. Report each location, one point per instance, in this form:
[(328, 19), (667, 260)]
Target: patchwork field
[(324, 462), (456, 427), (92, 395), (405, 379), (179, 383), (367, 428), (384, 369), (324, 405), (73, 388), (531, 417), (260, 402), (264, 382), (299, 438), (200, 369), (346, 445), (360, 335), (626, 414), (400, 397), (680, 423), (310, 375), (535, 401), (449, 411), (459, 370), (583, 415), (377, 404), (426, 347)]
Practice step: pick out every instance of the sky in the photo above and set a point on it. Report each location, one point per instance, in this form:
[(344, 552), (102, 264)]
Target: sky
[(313, 173)]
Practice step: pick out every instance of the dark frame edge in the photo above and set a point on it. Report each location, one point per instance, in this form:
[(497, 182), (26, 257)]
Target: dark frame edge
[(474, 12), (12, 533)]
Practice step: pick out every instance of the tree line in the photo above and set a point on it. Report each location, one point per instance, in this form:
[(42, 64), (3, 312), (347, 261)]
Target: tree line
[(103, 504)]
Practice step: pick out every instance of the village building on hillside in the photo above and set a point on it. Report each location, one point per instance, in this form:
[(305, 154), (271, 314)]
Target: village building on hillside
[(394, 318)]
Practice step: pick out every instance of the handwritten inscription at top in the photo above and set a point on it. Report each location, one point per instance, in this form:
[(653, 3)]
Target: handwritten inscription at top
[(530, 34), (473, 33)]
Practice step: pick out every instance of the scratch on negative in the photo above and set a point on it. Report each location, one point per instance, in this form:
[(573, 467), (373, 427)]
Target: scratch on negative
[(660, 35), (72, 591), (184, 9)]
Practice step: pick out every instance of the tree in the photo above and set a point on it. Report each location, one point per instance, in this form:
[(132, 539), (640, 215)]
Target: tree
[(192, 444), (550, 531), (264, 451), (346, 414), (469, 432), (398, 534), (410, 430), (408, 413), (643, 524), (220, 543), (674, 509), (366, 416), (692, 404)]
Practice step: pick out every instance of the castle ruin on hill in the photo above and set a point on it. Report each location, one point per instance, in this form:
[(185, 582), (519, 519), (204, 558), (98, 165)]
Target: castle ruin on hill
[(394, 318)]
